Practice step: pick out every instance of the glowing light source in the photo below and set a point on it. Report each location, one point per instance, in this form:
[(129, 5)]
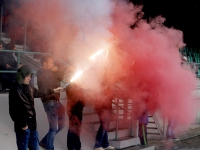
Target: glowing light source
[(77, 75), (106, 54), (96, 54)]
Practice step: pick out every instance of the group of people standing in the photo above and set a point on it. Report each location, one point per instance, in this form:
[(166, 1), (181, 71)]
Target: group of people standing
[(9, 62), (22, 111)]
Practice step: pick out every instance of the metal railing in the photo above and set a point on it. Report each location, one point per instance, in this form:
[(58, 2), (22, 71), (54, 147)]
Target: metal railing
[(195, 67), (161, 128), (127, 114), (18, 57), (116, 103), (121, 105)]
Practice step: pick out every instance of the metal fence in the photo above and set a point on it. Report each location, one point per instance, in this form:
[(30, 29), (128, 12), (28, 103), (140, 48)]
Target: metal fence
[(18, 57)]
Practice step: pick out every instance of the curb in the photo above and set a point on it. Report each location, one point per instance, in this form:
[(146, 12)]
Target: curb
[(167, 143)]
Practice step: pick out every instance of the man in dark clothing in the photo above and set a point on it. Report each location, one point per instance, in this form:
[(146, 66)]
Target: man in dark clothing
[(10, 59), (22, 111), (75, 105), (8, 63), (50, 77)]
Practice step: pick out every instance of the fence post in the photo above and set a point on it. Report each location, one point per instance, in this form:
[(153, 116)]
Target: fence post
[(25, 36), (18, 59), (132, 123), (163, 133), (117, 121), (125, 115), (1, 22)]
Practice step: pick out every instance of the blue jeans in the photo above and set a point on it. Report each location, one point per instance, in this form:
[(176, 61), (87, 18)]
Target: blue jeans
[(102, 134), (27, 139), (56, 117)]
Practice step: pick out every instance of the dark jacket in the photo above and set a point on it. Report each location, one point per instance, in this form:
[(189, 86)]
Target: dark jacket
[(75, 101), (48, 79), (21, 105), (7, 58)]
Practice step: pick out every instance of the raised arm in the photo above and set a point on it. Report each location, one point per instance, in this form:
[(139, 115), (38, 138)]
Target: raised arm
[(43, 93)]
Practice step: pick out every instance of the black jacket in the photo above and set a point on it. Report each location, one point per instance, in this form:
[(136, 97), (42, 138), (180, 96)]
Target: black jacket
[(48, 79), (21, 105), (7, 58)]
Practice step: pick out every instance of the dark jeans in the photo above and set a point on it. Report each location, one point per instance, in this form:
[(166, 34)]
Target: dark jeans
[(102, 134), (75, 112), (143, 134), (73, 141), (56, 117), (27, 139)]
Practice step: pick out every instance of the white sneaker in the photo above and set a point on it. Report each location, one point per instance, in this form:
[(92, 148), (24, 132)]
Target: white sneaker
[(109, 148), (99, 148)]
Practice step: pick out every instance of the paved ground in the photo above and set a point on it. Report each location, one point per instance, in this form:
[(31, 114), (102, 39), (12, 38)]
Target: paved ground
[(189, 140), (192, 143), (7, 134), (187, 144)]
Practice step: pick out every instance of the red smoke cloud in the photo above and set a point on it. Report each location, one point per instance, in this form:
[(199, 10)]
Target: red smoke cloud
[(156, 77), (145, 62)]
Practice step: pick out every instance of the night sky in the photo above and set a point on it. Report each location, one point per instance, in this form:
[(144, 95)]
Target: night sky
[(182, 15)]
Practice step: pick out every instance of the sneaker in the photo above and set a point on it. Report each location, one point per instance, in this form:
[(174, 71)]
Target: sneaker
[(175, 138), (172, 138), (109, 148), (42, 145), (99, 148)]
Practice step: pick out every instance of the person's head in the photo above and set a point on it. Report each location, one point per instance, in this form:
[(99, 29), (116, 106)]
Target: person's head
[(10, 46), (47, 62), (24, 75), (1, 46)]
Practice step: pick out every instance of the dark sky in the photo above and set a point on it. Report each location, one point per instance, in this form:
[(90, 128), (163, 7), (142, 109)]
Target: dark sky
[(182, 15)]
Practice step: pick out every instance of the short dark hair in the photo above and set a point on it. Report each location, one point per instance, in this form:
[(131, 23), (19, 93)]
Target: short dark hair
[(23, 72), (45, 59), (10, 46)]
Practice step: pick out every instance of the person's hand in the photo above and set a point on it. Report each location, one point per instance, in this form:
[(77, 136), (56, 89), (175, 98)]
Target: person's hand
[(57, 90), (25, 128), (54, 69), (8, 66)]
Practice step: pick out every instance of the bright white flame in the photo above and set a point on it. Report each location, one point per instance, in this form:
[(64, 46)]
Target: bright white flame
[(96, 54), (77, 75), (106, 54)]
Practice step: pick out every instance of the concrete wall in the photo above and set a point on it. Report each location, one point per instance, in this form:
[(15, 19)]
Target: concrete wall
[(7, 134)]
